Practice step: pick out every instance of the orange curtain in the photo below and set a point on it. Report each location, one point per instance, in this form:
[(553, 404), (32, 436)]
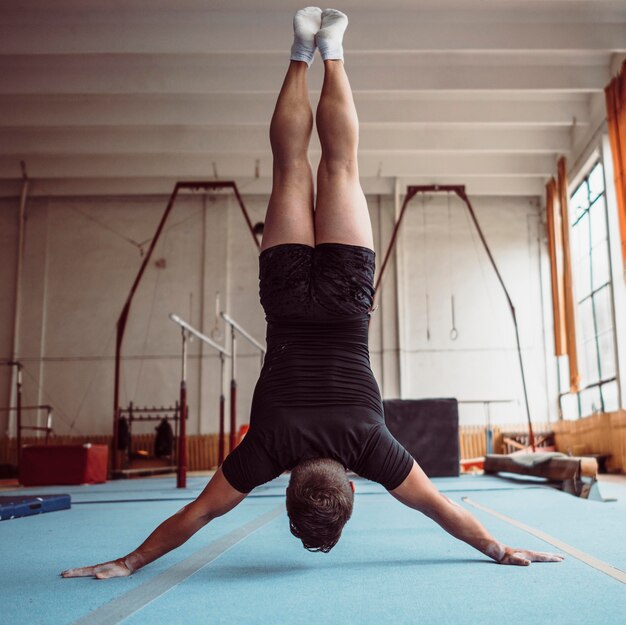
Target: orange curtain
[(616, 117), (569, 304), (555, 249)]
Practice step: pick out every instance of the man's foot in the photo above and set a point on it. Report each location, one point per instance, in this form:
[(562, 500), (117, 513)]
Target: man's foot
[(329, 39), (306, 23)]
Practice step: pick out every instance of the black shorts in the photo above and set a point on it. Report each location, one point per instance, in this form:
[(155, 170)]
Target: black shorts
[(329, 281)]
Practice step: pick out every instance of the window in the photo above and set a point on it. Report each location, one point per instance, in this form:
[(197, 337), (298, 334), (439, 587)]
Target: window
[(594, 302)]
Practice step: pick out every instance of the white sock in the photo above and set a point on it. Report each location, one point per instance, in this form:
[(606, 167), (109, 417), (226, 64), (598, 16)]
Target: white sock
[(330, 36), (306, 23)]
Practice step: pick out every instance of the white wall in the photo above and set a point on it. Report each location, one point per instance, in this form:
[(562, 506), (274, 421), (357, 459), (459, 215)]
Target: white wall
[(77, 273), (79, 267)]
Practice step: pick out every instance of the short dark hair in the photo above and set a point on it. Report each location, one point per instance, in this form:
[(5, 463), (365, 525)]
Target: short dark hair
[(319, 503)]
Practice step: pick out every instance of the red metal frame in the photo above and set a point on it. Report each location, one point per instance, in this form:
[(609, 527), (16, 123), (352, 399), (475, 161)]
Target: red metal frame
[(199, 185), (181, 469), (221, 442), (411, 192), (232, 440)]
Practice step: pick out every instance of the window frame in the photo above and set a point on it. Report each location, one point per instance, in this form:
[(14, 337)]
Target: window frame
[(582, 178)]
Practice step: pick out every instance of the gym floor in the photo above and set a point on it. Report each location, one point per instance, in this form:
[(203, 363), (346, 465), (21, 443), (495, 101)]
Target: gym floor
[(391, 565)]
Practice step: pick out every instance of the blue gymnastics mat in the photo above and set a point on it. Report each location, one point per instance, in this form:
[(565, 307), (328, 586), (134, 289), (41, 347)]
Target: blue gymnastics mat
[(15, 506)]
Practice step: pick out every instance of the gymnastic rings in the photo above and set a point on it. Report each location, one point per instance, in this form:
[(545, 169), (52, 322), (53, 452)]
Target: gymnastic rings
[(454, 333)]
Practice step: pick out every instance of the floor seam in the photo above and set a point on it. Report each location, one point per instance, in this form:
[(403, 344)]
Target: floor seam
[(584, 557), (121, 608)]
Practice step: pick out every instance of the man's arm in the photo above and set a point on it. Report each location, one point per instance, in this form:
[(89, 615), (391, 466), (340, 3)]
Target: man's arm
[(218, 498), (419, 493)]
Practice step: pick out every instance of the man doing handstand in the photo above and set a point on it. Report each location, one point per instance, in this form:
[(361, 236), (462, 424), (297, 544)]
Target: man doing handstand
[(316, 409)]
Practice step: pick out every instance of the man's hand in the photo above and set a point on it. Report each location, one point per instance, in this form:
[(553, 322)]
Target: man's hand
[(523, 557), (216, 499), (115, 568), (419, 493)]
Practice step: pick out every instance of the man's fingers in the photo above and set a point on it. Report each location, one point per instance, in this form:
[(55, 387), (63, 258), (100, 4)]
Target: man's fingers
[(539, 556), (83, 571), (115, 568), (523, 557), (517, 558)]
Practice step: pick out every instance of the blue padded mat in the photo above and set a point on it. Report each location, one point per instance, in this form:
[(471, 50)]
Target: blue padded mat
[(15, 506), (392, 564)]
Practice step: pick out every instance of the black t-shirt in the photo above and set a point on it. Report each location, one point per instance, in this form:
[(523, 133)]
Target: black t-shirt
[(317, 398)]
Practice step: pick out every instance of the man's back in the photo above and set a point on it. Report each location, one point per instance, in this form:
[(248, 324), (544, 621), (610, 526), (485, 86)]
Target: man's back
[(317, 396)]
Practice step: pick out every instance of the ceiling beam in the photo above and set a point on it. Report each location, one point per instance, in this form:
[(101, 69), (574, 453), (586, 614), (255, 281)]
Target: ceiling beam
[(520, 8), (255, 140), (122, 187), (170, 74), (191, 32), (130, 96), (234, 109), (185, 166)]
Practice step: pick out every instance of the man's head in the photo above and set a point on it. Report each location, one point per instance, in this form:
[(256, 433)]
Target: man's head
[(319, 503)]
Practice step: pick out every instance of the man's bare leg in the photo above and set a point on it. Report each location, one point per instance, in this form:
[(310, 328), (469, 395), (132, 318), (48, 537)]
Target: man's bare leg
[(341, 214), (289, 216)]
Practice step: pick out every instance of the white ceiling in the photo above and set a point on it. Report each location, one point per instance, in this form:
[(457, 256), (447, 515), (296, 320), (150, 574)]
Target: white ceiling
[(128, 96)]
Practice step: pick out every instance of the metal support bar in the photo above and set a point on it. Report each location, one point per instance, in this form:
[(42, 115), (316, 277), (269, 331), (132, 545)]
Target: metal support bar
[(35, 428), (19, 415), (460, 191), (487, 408), (233, 324), (412, 191), (220, 443), (181, 470), (223, 354), (17, 309), (134, 410), (394, 235), (198, 334), (233, 391), (200, 185), (49, 409), (234, 328), (17, 367)]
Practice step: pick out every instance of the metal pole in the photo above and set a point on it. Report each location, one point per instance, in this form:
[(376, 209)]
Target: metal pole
[(223, 353), (129, 447), (123, 318), (200, 185), (221, 441), (488, 430), (235, 326), (183, 324), (48, 422), (19, 416), (175, 449), (409, 196), (17, 310), (233, 391), (460, 191), (181, 471), (245, 213)]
